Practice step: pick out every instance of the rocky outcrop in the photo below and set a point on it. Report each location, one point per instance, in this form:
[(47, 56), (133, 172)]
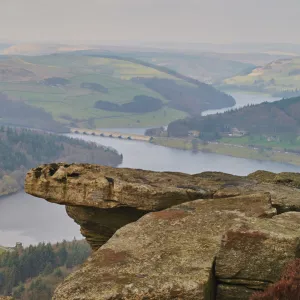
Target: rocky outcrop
[(107, 187), (202, 236), (103, 199), (253, 254)]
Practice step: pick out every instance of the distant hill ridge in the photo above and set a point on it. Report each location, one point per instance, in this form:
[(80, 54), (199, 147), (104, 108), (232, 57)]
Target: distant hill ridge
[(157, 67), (278, 78)]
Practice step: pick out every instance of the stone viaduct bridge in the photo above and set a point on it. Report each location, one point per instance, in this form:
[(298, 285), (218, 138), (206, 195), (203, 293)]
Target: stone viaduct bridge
[(118, 135)]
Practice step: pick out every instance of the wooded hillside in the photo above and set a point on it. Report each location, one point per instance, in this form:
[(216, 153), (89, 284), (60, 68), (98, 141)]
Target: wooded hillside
[(278, 118), (19, 113), (32, 273)]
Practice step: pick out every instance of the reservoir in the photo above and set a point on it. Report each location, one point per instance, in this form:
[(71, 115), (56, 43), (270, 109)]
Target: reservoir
[(147, 156), (243, 99), (30, 220)]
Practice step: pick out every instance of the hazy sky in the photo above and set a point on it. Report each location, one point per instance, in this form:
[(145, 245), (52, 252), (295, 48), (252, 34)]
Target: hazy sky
[(216, 21)]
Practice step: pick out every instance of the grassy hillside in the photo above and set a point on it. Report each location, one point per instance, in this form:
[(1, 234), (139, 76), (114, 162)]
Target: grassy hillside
[(22, 149), (206, 67), (278, 78), (68, 86)]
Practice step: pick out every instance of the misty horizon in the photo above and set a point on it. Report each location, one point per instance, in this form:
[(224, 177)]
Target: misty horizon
[(165, 21)]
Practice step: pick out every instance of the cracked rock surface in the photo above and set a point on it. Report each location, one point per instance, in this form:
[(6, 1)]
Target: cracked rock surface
[(162, 235)]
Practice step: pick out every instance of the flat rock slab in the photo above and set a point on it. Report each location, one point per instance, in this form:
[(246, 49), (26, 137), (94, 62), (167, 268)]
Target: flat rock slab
[(103, 199), (164, 255), (107, 187)]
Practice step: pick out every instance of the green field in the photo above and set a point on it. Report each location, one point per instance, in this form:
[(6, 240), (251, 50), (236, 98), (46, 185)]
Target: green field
[(292, 144), (274, 78), (73, 104), (206, 67), (230, 150)]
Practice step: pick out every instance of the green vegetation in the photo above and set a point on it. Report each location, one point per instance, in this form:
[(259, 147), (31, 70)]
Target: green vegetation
[(279, 78), (33, 273), (186, 98), (21, 114), (94, 87), (21, 149), (206, 67), (55, 83), (267, 131), (288, 143), (279, 119), (228, 149), (140, 104)]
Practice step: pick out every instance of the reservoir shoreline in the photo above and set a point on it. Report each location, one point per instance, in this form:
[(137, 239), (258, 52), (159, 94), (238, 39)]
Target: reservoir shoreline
[(231, 150), (30, 220)]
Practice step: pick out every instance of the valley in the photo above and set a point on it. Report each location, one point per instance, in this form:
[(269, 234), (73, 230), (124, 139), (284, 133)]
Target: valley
[(126, 146), (258, 147), (94, 91), (139, 155), (149, 150), (101, 105), (19, 225)]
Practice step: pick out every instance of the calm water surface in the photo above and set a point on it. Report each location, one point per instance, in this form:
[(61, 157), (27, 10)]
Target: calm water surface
[(243, 100), (152, 157), (30, 220)]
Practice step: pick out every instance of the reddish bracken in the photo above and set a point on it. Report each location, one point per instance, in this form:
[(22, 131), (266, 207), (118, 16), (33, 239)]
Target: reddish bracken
[(288, 288)]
